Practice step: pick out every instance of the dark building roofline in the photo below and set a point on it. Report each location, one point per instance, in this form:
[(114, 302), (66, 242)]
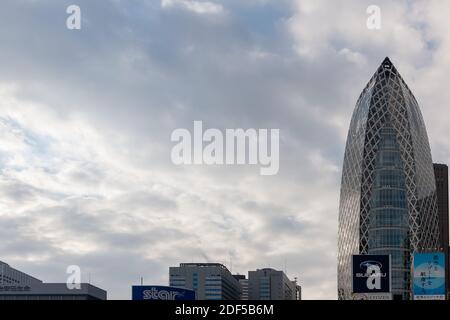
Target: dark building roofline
[(203, 265)]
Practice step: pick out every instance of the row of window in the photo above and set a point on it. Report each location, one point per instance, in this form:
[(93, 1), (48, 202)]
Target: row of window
[(389, 178), (389, 198), (400, 259), (389, 158), (388, 141), (388, 217), (385, 238)]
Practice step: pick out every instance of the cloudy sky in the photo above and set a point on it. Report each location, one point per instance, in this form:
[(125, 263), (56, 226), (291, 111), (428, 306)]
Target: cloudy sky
[(86, 118)]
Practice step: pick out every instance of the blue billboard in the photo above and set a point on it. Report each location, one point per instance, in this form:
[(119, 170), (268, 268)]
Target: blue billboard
[(161, 293), (371, 274), (429, 276)]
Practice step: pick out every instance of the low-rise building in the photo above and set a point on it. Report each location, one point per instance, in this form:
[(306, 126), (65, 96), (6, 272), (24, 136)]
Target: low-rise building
[(17, 285)]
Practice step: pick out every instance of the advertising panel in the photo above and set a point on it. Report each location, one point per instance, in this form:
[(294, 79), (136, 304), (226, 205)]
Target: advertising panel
[(161, 293), (372, 275), (429, 276)]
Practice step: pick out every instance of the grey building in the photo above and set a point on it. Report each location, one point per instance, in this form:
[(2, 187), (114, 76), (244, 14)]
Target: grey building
[(441, 176), (388, 203), (270, 284), (210, 281), (17, 285), (244, 285)]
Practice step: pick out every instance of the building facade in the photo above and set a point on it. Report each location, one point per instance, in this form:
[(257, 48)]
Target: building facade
[(17, 285), (210, 281), (388, 201), (441, 176), (244, 285), (270, 284)]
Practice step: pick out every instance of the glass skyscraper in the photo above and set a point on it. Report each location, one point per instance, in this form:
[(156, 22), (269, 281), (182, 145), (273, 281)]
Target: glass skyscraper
[(388, 193)]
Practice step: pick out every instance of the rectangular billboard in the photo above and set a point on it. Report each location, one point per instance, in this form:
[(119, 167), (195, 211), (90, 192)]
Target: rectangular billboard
[(371, 275), (429, 276), (161, 293)]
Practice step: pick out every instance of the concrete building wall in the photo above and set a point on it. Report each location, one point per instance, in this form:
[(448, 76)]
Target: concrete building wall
[(210, 281), (270, 284), (17, 285)]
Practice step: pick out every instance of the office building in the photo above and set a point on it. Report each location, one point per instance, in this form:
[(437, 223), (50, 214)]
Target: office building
[(388, 202), (210, 281), (244, 285), (441, 176), (17, 285), (270, 284)]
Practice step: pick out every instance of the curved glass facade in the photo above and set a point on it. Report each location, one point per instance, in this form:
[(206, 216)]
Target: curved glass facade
[(388, 215), (388, 194)]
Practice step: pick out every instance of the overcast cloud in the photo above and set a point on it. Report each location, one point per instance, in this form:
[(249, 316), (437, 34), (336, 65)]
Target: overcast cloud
[(86, 118)]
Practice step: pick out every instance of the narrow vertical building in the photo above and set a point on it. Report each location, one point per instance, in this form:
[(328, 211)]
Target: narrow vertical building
[(441, 175), (244, 285), (388, 199)]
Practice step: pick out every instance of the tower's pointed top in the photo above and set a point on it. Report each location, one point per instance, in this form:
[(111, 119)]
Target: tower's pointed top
[(387, 60), (387, 63)]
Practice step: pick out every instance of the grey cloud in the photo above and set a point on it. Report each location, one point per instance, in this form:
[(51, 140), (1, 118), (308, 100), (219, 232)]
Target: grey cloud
[(134, 73)]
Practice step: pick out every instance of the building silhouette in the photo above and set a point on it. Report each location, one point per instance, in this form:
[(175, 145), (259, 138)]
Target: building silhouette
[(17, 285), (388, 201), (270, 284), (441, 175), (244, 285), (210, 281)]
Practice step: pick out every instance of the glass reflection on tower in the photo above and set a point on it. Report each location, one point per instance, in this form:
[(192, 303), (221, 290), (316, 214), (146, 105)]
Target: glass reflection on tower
[(388, 193)]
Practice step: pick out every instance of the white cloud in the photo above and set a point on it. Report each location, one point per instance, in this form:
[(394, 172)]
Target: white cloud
[(323, 27), (85, 123), (200, 7)]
